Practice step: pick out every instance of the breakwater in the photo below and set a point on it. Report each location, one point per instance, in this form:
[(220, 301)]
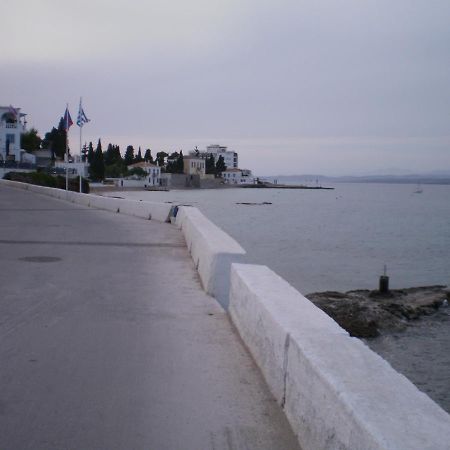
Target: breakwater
[(334, 390)]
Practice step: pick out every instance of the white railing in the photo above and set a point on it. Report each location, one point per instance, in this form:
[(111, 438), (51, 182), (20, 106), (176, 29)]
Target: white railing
[(8, 125)]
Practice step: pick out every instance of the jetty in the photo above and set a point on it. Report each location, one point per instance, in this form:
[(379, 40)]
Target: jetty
[(269, 185), (129, 324)]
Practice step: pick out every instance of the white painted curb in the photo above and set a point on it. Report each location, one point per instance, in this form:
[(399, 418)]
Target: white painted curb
[(147, 210)]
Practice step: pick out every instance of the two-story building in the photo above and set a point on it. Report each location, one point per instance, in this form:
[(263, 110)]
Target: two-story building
[(237, 176), (193, 165), (153, 172), (12, 125)]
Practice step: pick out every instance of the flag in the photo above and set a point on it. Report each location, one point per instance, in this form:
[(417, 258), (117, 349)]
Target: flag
[(82, 119), (67, 119)]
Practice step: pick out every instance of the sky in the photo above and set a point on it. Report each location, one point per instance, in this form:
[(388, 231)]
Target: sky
[(330, 87)]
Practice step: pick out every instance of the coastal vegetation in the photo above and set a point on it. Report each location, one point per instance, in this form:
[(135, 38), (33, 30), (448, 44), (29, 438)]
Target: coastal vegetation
[(110, 163), (44, 179)]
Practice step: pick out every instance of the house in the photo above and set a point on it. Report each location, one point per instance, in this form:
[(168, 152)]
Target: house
[(153, 172), (12, 125), (193, 165), (238, 176)]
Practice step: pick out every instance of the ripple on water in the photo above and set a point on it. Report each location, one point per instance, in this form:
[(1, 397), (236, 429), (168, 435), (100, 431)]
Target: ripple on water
[(422, 354)]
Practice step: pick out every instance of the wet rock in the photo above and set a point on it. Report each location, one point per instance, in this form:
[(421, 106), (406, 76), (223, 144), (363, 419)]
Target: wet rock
[(366, 314)]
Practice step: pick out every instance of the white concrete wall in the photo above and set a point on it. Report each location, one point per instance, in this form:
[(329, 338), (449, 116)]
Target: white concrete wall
[(212, 250), (146, 210), (336, 392)]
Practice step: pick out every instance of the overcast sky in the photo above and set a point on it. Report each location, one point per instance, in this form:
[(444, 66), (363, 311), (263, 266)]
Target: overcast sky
[(332, 87)]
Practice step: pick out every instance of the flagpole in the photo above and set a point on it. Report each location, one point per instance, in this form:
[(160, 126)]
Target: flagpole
[(81, 158), (67, 148)]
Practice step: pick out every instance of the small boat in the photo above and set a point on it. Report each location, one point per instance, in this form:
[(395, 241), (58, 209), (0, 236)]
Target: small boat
[(419, 189)]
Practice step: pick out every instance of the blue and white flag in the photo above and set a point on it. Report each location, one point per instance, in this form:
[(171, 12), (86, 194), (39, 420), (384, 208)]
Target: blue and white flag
[(82, 119)]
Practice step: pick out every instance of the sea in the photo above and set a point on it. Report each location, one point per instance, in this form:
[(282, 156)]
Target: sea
[(343, 239)]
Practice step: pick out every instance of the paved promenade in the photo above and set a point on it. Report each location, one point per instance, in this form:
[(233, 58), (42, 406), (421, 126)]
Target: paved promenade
[(107, 340)]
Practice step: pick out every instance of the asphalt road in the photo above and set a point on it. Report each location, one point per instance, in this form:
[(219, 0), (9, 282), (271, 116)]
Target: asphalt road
[(108, 342)]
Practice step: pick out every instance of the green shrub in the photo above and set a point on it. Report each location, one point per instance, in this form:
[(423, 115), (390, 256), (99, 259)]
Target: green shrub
[(45, 179)]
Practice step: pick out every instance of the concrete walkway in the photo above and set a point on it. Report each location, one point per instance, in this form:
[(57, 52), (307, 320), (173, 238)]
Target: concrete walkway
[(107, 340)]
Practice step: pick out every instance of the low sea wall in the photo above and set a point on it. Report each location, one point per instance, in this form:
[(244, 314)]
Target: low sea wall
[(212, 251), (146, 210), (335, 392)]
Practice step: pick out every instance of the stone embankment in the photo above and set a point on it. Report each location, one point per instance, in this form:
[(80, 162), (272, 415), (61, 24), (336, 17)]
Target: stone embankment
[(335, 392), (367, 314)]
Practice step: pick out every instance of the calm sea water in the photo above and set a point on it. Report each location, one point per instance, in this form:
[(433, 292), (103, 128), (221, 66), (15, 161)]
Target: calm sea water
[(340, 240)]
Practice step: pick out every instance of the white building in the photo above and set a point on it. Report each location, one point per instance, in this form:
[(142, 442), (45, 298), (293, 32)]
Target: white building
[(230, 158), (238, 176), (12, 125), (76, 167), (153, 172)]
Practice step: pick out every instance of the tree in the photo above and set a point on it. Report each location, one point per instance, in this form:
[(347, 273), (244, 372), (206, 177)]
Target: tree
[(138, 157), (108, 156), (30, 140), (210, 164), (90, 153), (176, 163), (148, 156), (97, 167), (55, 140), (220, 166), (129, 155), (139, 171), (161, 158), (180, 163)]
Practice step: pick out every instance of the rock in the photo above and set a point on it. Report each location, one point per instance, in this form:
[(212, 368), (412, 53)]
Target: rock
[(366, 314)]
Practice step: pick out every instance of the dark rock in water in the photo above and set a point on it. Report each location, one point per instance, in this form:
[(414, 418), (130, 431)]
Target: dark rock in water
[(253, 204), (366, 314)]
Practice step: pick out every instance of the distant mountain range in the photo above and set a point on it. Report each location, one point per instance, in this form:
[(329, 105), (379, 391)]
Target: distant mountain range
[(438, 177)]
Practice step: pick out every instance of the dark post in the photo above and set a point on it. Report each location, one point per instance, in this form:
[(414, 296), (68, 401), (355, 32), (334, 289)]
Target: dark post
[(384, 283)]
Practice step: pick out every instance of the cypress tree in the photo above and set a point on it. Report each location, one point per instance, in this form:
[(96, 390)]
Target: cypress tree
[(139, 156), (180, 163), (210, 164), (90, 155), (97, 167), (129, 155), (148, 156), (220, 166)]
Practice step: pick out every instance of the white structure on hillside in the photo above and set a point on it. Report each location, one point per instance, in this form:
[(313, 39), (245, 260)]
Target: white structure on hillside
[(153, 177), (230, 158), (75, 166), (12, 125), (238, 176)]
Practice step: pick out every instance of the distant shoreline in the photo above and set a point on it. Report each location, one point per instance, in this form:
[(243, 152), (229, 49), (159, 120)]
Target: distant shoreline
[(381, 179)]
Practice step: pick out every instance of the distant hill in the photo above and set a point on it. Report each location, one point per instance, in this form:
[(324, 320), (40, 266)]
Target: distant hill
[(430, 178)]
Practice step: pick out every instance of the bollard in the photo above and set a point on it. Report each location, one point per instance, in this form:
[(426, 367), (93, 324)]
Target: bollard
[(384, 284)]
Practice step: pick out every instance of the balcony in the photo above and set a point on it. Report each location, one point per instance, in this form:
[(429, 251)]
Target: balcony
[(8, 125)]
